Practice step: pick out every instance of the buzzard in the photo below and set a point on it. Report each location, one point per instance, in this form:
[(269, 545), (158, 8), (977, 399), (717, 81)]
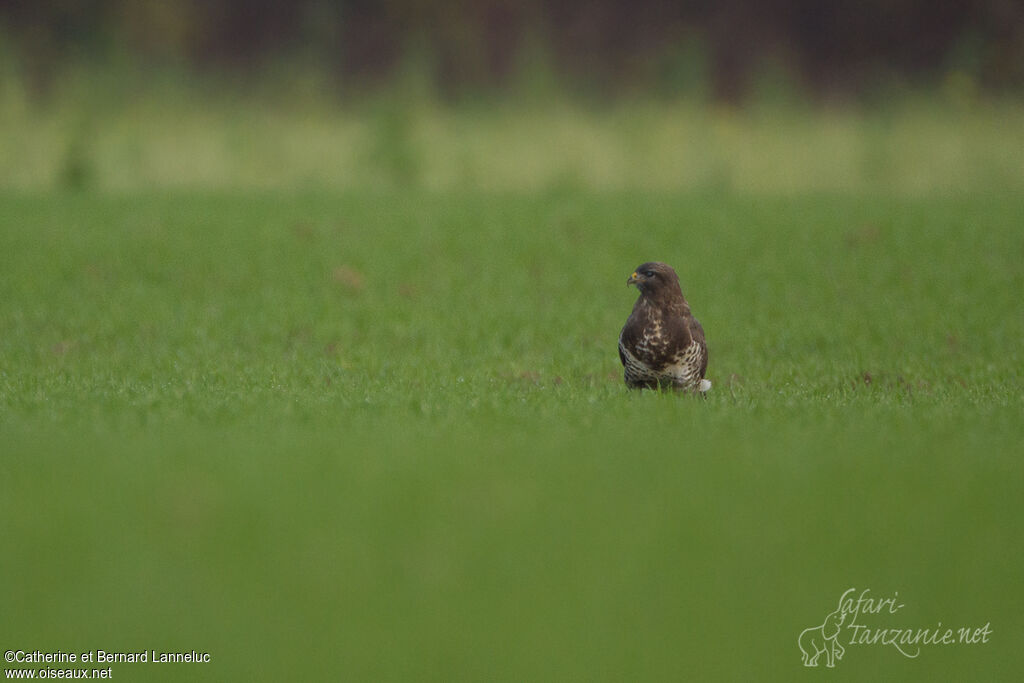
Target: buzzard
[(662, 344)]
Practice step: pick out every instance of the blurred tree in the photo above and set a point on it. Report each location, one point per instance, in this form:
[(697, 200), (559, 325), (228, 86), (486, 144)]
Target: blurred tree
[(603, 44)]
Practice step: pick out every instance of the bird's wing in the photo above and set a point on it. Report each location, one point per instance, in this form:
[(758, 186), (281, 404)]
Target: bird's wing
[(629, 337), (697, 332), (680, 334)]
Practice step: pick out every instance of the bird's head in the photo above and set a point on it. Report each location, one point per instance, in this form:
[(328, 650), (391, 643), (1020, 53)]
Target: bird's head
[(653, 278)]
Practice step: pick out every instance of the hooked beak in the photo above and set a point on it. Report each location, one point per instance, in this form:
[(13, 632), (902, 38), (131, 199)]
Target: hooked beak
[(633, 279)]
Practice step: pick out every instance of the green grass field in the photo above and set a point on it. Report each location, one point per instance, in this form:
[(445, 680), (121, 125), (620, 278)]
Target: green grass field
[(384, 437)]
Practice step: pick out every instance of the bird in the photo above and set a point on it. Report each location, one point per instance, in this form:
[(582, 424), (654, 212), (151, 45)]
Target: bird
[(662, 345)]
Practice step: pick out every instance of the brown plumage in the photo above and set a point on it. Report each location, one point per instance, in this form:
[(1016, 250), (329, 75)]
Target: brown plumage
[(662, 344)]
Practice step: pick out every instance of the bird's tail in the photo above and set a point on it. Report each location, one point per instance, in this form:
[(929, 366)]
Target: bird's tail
[(705, 386)]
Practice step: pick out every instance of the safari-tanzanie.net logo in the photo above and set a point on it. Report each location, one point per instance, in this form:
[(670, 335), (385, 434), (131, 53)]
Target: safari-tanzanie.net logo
[(847, 626)]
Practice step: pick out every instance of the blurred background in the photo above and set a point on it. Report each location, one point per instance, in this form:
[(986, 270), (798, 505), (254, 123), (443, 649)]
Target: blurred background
[(310, 310), (780, 95)]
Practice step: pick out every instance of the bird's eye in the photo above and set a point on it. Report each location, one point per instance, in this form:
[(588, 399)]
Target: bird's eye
[(648, 273)]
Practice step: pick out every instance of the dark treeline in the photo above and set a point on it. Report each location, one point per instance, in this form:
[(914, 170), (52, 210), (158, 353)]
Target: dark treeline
[(828, 47)]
